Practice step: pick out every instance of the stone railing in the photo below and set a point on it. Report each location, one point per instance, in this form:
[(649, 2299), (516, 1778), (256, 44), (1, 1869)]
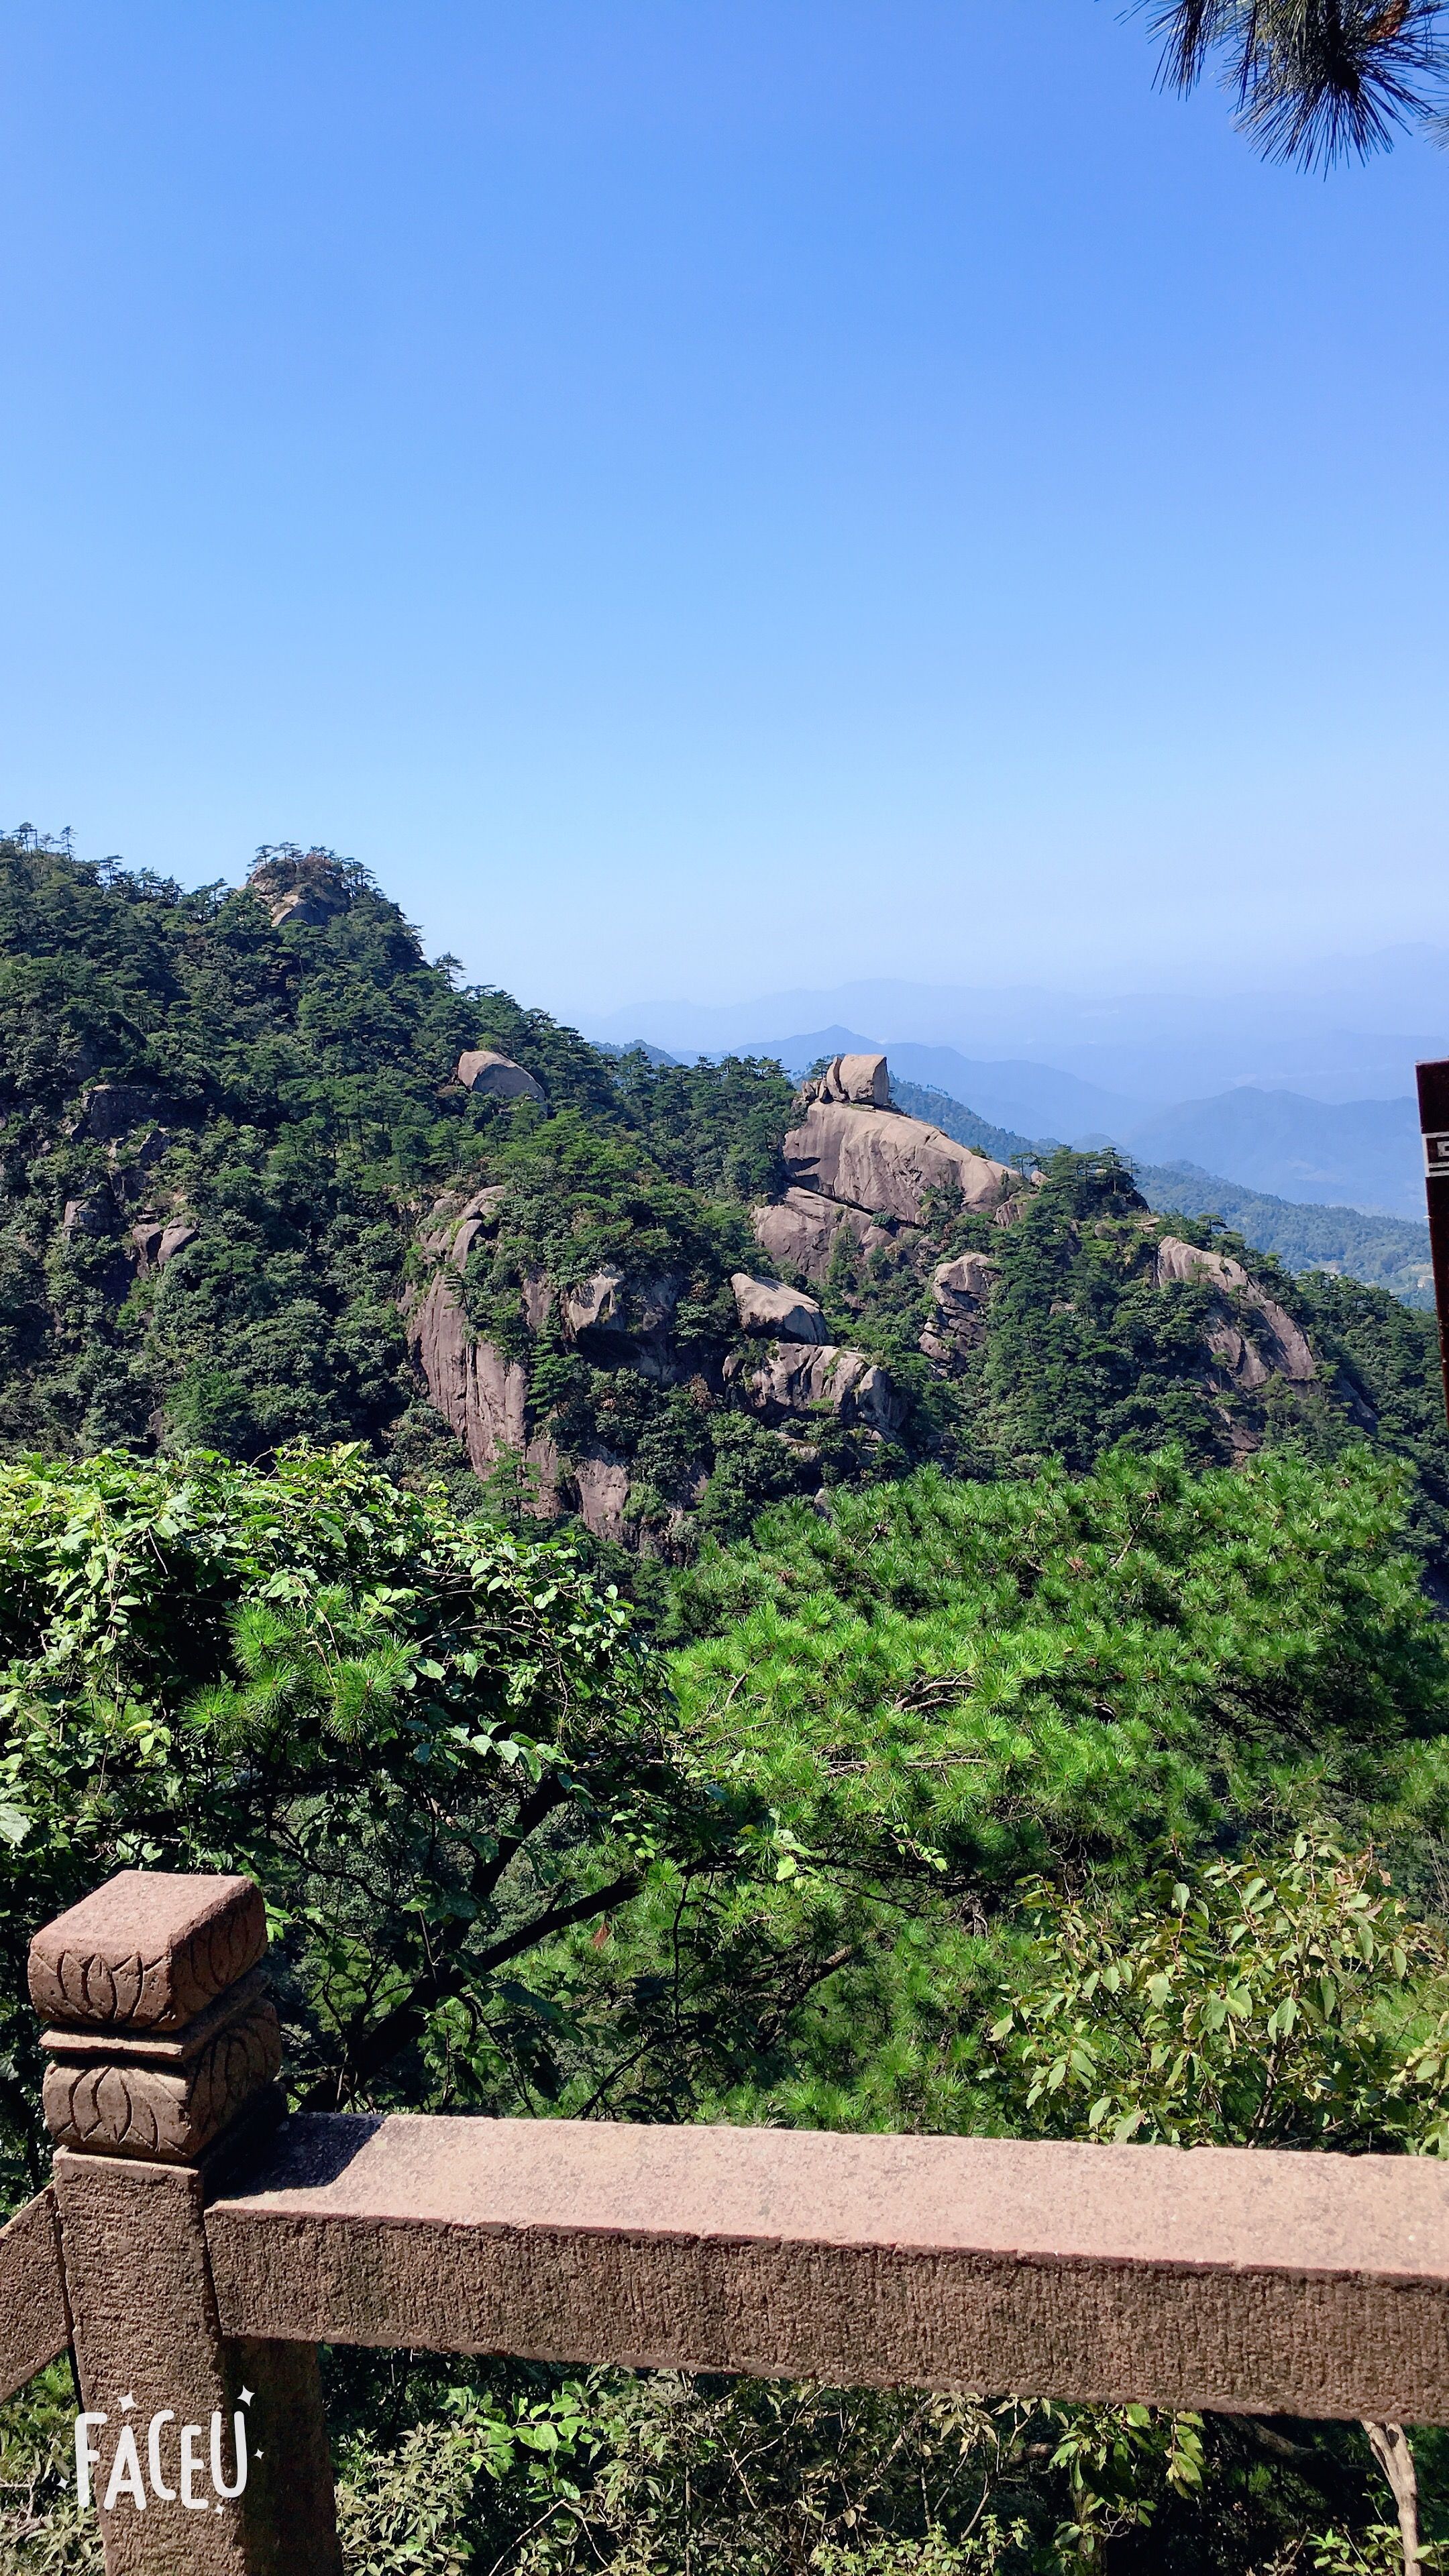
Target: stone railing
[(195, 2247)]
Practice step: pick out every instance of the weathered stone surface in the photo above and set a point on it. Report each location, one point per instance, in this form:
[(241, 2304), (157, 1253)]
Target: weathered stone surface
[(484, 1069), (1215, 2277), (960, 1288), (174, 1239), (603, 1484), (151, 1150), (764, 1306), (481, 1395), (439, 1229), (653, 1301), (1278, 1348), (114, 1108), (537, 1300), (34, 2325), (147, 1240), (301, 891), (597, 1304), (453, 1224), (305, 911), (148, 2338), (790, 1377), (863, 1078), (1177, 1260), (799, 1230), (93, 1214), (881, 1161), (148, 1951), (165, 2102)]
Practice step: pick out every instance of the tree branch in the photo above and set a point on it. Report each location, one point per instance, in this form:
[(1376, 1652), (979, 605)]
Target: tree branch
[(406, 2024)]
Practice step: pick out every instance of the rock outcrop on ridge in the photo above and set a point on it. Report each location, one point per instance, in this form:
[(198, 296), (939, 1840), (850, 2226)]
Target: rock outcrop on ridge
[(765, 1306), (793, 1377), (798, 1231), (1251, 1338), (484, 1070), (886, 1164), (863, 1181)]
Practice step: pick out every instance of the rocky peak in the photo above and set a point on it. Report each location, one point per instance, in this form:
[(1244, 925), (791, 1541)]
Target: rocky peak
[(300, 888), (862, 1079), (884, 1163)]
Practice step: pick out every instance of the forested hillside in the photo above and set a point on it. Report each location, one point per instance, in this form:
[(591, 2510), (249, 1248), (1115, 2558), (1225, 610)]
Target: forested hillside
[(247, 1199)]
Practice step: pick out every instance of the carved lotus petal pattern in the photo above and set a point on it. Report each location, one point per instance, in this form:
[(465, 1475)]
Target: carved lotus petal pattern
[(130, 2109), (91, 1967)]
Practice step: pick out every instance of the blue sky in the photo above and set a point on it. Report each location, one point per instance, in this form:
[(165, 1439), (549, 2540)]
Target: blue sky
[(708, 496)]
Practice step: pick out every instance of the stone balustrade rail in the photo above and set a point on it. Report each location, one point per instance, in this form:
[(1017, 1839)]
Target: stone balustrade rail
[(195, 2246)]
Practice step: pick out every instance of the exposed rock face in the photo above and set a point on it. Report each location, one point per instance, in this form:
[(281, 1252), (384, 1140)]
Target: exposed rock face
[(174, 1239), (799, 1230), (791, 1376), (597, 1305), (453, 1225), (537, 1301), (878, 1160), (114, 1108), (764, 1306), (147, 1240), (300, 888), (959, 1293), (480, 1395), (623, 1308), (94, 1214), (484, 1069), (961, 1287), (861, 1078), (1178, 1260), (1277, 1346), (603, 1487), (152, 1150)]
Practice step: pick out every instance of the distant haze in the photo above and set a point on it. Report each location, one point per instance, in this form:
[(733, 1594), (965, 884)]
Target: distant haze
[(1343, 1029), (1305, 1092)]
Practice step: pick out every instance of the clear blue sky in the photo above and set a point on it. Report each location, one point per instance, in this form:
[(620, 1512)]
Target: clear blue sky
[(718, 494)]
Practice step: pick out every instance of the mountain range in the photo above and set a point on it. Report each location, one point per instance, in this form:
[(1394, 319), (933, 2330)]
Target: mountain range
[(1338, 1030)]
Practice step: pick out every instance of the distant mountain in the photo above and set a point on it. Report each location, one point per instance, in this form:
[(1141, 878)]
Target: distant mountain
[(1355, 1153), (636, 1046), (1034, 1099), (1037, 1099), (939, 1110), (1336, 1030)]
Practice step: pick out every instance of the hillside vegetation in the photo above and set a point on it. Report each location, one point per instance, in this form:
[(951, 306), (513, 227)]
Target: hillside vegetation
[(1382, 1251), (246, 1199)]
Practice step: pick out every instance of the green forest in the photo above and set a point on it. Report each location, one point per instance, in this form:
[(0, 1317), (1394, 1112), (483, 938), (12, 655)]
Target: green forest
[(1005, 1692)]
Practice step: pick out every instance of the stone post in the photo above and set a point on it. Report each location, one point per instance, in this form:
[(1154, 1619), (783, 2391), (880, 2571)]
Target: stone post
[(164, 2052)]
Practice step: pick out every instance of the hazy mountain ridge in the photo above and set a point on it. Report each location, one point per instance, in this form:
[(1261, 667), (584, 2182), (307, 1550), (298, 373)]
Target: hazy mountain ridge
[(1339, 1030)]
